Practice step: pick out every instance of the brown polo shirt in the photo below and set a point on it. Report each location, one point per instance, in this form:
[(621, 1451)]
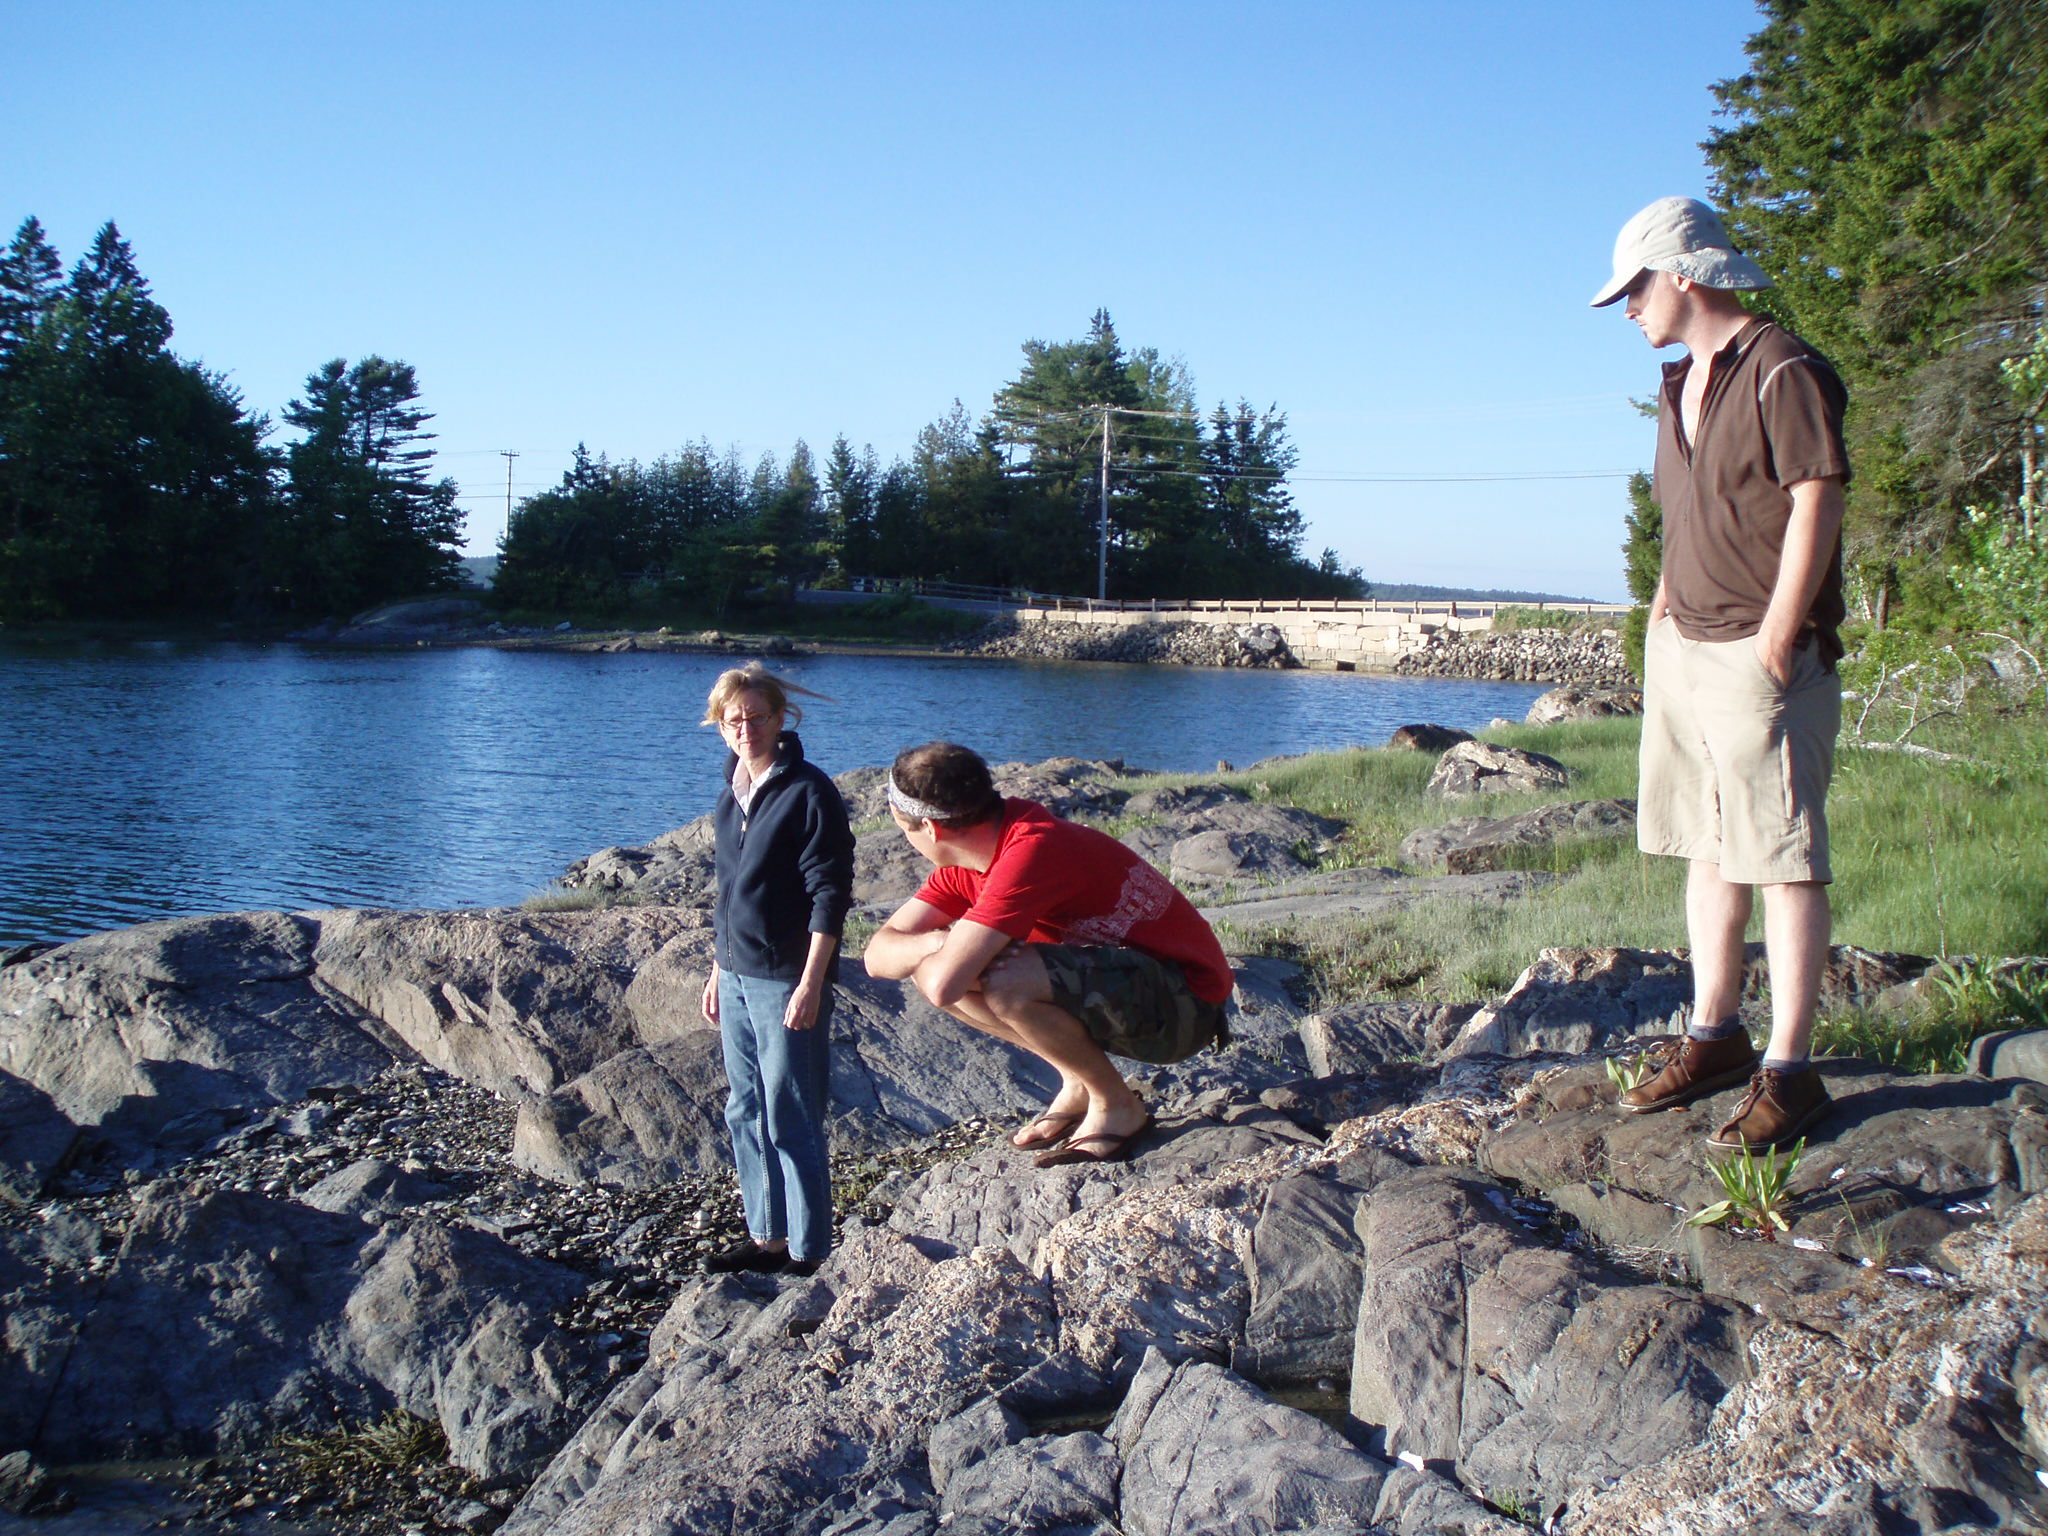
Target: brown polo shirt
[(1772, 417)]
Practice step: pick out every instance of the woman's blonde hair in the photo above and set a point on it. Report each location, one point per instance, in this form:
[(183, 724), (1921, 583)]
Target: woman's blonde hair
[(752, 678)]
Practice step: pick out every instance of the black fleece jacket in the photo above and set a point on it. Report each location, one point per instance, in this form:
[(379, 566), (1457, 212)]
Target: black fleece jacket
[(785, 870)]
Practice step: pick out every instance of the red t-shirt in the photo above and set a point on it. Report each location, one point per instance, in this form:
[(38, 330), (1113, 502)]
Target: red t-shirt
[(1055, 882)]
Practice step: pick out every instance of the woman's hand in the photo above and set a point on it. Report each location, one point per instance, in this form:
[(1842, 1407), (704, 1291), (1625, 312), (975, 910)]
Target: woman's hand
[(709, 1004), (802, 1009)]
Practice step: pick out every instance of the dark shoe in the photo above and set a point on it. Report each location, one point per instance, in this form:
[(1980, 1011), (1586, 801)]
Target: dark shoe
[(799, 1268), (1775, 1112), (746, 1256), (1692, 1069), (1101, 1147)]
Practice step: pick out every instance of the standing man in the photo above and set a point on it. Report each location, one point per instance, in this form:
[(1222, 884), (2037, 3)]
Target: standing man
[(1741, 699), (1054, 937)]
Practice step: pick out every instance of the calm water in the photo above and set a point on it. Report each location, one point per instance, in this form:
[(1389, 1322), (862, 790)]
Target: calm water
[(144, 781)]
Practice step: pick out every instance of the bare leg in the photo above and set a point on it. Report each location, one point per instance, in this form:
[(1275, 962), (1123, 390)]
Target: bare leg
[(1016, 1005), (1797, 924), (1070, 1100), (1716, 913)]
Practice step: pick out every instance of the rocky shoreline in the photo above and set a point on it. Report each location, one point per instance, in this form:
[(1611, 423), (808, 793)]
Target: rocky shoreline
[(1591, 657), (266, 1179), (1587, 656)]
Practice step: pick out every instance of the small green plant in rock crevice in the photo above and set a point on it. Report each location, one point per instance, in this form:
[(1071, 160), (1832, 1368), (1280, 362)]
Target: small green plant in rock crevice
[(1754, 1186), (393, 1443), (1630, 1074)]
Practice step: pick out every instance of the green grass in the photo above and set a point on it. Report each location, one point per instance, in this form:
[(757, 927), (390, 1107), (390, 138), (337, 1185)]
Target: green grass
[(1968, 999), (1508, 620), (575, 898), (1930, 858), (393, 1443)]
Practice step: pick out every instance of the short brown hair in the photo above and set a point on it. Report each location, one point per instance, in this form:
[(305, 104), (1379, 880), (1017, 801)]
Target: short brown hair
[(953, 778), (752, 678)]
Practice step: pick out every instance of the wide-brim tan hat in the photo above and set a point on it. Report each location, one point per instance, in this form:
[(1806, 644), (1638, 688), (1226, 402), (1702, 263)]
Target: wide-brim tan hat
[(1681, 235)]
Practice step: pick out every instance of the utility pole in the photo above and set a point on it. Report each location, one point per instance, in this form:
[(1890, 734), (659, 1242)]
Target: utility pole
[(508, 455), (1102, 539)]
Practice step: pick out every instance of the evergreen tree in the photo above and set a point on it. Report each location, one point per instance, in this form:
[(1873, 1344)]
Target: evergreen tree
[(31, 282), (364, 522), (1887, 162), (132, 483), (1643, 561), (850, 507)]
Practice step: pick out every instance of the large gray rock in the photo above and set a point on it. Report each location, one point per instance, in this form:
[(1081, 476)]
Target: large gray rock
[(1885, 1407), (1584, 701), (1427, 738), (1472, 843), (757, 1426), (2011, 1053), (1361, 1037), (1579, 999), (1213, 1456), (638, 1120), (36, 1140), (455, 1324), (228, 1317), (1481, 768), (520, 1002), (1572, 1000), (1212, 833), (131, 1030), (1038, 1484), (371, 1189), (1529, 1369), (1307, 1267), (219, 1325)]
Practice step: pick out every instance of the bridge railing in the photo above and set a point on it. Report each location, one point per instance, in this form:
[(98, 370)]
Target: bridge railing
[(1341, 608)]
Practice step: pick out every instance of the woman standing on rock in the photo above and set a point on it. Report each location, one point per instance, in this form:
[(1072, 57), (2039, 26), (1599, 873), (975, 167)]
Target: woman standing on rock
[(785, 880)]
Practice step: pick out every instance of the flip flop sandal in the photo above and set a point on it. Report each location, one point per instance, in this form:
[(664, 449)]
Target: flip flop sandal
[(1059, 1121), (1114, 1148)]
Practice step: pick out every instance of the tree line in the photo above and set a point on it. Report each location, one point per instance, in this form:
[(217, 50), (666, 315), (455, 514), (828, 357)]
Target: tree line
[(1197, 505), (1887, 163), (136, 484)]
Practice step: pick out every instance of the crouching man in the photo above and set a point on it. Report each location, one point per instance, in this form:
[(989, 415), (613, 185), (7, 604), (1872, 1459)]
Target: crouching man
[(1054, 937)]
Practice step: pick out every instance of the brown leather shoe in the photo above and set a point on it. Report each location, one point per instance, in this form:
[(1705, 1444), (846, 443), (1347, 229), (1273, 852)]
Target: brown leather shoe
[(1775, 1112), (1693, 1069)]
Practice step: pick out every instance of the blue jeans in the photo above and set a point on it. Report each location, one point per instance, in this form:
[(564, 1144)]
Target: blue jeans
[(778, 1081)]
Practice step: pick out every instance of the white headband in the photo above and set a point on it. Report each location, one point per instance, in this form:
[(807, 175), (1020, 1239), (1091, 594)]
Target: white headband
[(914, 808)]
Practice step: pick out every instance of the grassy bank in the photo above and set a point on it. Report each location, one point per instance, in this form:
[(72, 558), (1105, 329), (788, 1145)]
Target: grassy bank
[(1931, 857)]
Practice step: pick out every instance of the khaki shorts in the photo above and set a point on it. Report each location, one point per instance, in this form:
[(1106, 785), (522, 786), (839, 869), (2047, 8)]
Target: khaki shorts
[(1735, 767), (1131, 1004)]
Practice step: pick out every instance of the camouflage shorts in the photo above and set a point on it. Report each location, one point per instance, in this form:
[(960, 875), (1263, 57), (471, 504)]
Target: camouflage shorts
[(1131, 1004)]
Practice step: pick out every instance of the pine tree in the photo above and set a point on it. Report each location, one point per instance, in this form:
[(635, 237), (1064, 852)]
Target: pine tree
[(31, 282), (1643, 561), (132, 482), (365, 523), (1887, 162)]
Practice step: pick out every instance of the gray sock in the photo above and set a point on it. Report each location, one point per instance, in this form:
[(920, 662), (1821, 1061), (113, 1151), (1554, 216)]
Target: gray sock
[(1726, 1029), (1786, 1064)]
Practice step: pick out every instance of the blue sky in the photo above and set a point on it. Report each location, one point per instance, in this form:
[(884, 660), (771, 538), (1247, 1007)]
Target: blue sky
[(636, 225)]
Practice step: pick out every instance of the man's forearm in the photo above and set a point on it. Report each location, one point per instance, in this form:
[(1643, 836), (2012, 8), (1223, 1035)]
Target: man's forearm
[(893, 955)]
